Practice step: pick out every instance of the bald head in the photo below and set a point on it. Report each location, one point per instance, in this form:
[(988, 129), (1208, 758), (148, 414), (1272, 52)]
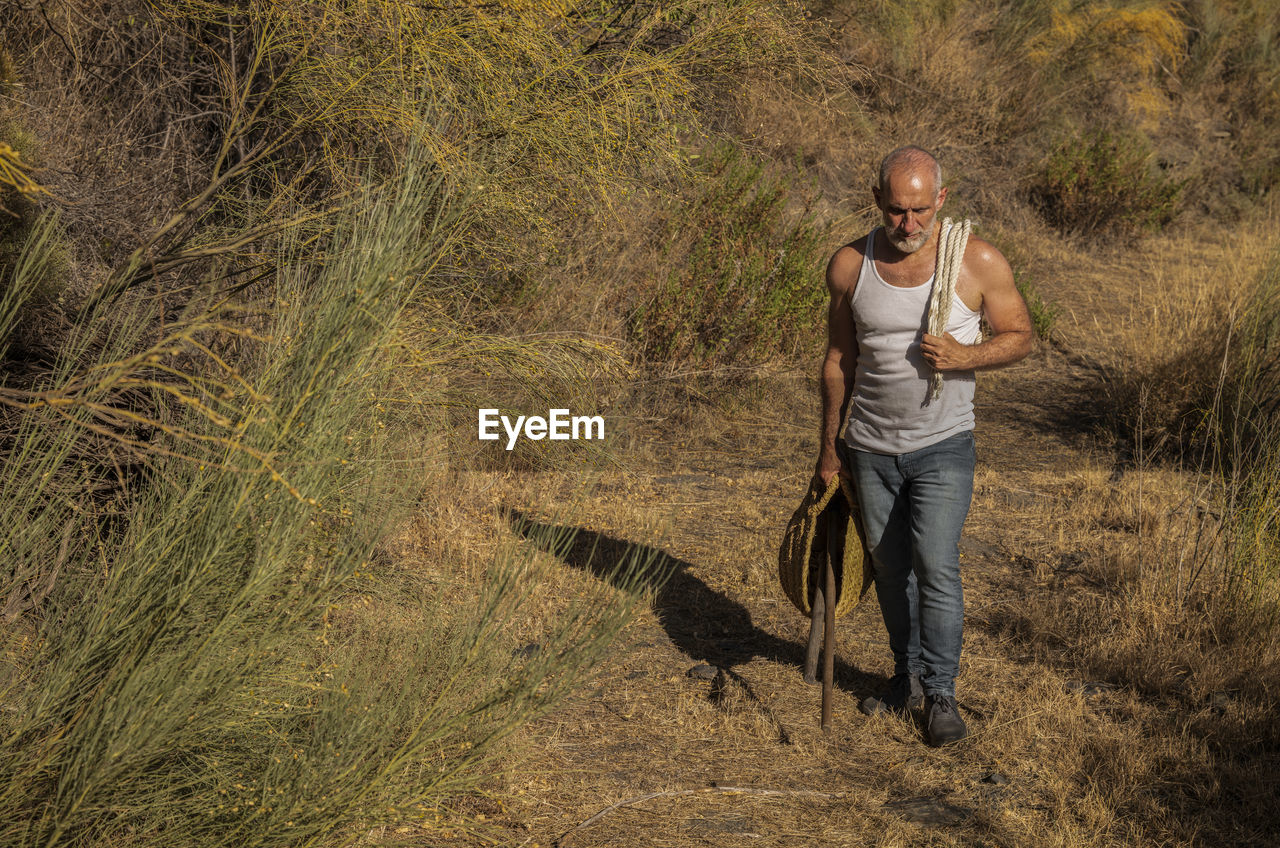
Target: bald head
[(910, 160), (909, 193)]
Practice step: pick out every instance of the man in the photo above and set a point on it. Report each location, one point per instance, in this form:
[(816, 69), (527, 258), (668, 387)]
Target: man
[(909, 458)]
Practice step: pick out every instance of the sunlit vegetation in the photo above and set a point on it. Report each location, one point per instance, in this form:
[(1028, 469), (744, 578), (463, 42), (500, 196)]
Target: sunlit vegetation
[(261, 261)]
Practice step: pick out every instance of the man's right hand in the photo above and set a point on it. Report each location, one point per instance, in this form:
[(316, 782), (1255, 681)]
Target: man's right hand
[(828, 466)]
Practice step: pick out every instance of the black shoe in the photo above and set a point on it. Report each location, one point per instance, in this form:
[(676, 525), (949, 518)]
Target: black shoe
[(904, 695), (942, 720)]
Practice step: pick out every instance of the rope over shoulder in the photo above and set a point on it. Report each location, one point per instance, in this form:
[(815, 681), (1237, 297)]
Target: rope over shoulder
[(951, 244)]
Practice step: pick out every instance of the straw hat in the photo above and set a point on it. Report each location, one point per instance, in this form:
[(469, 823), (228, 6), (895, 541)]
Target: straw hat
[(797, 557)]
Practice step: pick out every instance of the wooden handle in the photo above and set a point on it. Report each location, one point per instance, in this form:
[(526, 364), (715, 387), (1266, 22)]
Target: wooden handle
[(816, 618), (829, 645)]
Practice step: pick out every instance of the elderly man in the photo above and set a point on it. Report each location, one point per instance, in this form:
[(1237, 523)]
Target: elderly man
[(910, 458)]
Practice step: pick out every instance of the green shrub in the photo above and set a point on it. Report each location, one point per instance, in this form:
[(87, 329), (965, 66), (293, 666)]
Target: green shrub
[(1044, 315), (1105, 182), (749, 286)]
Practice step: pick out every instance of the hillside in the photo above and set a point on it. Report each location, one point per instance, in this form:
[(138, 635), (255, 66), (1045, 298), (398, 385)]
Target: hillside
[(266, 262)]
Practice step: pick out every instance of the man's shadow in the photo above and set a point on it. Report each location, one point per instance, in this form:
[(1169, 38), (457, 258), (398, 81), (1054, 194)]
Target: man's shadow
[(706, 625)]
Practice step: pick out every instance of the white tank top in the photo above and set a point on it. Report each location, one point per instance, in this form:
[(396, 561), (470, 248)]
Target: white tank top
[(890, 408)]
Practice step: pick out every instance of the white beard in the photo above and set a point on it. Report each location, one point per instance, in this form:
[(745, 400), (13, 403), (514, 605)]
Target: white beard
[(910, 245)]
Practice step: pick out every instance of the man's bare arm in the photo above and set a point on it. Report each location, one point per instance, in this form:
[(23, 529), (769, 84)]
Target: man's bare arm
[(838, 364), (1005, 311)]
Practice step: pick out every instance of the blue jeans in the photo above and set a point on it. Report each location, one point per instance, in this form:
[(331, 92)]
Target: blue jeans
[(913, 508)]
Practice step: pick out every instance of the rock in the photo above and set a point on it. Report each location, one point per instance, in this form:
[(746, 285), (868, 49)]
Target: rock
[(971, 547), (995, 778), (528, 651), (930, 811), (1090, 688), (702, 671)]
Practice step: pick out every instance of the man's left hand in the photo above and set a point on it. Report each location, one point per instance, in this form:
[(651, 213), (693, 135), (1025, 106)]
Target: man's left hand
[(944, 353)]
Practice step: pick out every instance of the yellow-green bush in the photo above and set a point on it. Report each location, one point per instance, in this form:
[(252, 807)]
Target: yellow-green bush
[(1041, 61), (544, 106), (1084, 55)]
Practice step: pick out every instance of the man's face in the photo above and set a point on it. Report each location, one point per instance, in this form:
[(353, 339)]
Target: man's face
[(909, 203)]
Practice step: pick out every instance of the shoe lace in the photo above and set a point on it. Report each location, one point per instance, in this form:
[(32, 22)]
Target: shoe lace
[(944, 704)]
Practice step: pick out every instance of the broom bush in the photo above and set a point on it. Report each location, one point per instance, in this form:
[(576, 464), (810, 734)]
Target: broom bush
[(189, 681)]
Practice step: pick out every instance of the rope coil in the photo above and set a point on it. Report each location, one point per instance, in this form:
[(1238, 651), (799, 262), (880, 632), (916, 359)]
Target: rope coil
[(951, 244)]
